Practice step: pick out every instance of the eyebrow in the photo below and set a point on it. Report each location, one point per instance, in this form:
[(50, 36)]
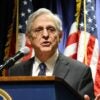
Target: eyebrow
[(46, 26)]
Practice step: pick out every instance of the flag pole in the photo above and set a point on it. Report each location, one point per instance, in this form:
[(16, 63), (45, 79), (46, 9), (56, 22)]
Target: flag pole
[(17, 25), (85, 26), (78, 10)]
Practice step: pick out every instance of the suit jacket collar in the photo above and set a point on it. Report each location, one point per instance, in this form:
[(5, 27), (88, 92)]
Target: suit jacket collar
[(61, 68)]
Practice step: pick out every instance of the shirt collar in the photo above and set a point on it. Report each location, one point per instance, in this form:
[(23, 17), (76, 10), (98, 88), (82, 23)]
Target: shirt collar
[(51, 61)]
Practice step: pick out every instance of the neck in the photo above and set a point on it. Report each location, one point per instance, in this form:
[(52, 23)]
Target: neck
[(43, 57)]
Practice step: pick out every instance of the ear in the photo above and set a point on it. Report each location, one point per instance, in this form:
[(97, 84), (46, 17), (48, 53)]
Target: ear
[(28, 41), (60, 36)]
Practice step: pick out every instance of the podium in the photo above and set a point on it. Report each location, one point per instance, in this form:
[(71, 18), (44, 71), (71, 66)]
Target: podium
[(36, 88)]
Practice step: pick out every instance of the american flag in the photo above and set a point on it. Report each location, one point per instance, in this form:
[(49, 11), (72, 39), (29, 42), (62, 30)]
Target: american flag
[(82, 43), (25, 9)]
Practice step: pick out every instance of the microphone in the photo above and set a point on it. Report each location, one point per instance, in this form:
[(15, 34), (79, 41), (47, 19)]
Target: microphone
[(23, 51)]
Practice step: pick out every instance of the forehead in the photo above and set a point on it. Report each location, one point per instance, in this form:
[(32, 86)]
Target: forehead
[(43, 20)]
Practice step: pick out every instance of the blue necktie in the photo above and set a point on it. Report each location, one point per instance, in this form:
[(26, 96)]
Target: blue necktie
[(42, 67)]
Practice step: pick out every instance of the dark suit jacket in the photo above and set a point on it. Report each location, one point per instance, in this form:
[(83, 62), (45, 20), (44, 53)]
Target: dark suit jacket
[(73, 72)]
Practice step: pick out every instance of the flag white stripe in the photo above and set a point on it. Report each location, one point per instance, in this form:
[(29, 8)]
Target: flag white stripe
[(94, 60), (82, 44), (70, 50)]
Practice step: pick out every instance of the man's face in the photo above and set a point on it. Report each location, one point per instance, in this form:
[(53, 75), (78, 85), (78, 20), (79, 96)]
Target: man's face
[(44, 35)]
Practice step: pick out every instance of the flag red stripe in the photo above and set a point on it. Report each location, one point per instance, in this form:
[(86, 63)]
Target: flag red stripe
[(72, 38), (97, 79), (74, 56), (90, 48)]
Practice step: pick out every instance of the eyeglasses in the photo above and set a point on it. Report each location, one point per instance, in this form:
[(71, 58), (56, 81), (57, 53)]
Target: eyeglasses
[(40, 30)]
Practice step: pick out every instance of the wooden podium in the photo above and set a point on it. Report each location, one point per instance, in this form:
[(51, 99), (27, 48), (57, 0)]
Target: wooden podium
[(36, 88)]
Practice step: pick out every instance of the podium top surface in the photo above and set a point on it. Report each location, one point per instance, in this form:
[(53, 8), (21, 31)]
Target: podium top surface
[(28, 78)]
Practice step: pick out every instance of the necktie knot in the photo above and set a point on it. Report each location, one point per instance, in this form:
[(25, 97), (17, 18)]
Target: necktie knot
[(42, 67)]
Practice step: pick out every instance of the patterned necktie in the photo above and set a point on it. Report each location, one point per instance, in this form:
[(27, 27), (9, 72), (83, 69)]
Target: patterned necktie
[(42, 67)]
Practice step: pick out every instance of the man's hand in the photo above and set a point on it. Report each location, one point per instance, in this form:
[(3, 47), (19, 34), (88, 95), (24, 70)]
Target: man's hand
[(86, 97), (97, 97)]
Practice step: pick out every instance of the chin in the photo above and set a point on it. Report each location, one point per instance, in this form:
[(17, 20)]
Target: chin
[(46, 50)]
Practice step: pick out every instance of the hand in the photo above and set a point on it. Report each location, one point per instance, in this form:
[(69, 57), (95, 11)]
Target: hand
[(97, 97), (86, 97)]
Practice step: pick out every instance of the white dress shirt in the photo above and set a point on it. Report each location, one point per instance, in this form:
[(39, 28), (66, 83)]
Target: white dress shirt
[(50, 63)]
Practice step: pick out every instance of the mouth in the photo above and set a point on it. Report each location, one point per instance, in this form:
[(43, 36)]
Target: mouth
[(46, 44)]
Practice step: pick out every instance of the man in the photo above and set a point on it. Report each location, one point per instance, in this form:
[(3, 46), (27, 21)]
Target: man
[(44, 31)]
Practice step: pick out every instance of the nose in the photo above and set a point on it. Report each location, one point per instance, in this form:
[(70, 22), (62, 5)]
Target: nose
[(45, 33)]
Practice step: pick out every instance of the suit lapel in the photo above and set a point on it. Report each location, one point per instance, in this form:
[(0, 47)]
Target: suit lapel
[(61, 68), (28, 67)]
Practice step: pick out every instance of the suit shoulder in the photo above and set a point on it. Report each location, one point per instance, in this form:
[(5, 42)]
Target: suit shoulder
[(72, 62), (24, 63), (20, 69)]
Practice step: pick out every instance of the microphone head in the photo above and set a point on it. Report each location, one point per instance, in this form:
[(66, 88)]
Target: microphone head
[(25, 50)]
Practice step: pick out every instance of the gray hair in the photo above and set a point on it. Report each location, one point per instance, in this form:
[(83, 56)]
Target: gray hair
[(39, 12)]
